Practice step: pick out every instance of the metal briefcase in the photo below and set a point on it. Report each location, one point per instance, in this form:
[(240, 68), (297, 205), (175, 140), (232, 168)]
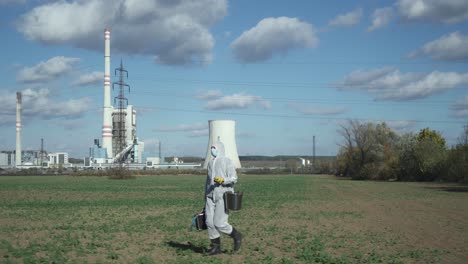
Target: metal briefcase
[(199, 221)]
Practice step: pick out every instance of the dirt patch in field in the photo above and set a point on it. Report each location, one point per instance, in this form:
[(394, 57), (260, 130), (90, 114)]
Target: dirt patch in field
[(419, 218), (450, 188)]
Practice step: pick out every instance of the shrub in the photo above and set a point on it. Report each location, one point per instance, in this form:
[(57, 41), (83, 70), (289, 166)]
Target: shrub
[(422, 158), (120, 174), (325, 167), (457, 165)]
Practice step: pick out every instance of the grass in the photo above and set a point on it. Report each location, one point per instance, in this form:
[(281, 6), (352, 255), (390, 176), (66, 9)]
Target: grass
[(285, 219)]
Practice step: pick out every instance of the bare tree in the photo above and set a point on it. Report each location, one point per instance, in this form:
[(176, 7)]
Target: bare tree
[(357, 137), (363, 139), (347, 149), (367, 144)]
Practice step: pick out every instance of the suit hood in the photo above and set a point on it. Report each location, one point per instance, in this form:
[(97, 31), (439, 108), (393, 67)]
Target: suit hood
[(220, 148)]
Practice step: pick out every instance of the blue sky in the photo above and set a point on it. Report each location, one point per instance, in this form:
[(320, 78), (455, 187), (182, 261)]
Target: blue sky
[(284, 70)]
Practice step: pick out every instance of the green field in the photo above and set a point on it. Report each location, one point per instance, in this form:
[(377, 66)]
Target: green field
[(284, 219)]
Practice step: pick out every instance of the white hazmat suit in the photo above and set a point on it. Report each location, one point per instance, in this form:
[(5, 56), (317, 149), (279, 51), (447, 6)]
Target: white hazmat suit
[(216, 215)]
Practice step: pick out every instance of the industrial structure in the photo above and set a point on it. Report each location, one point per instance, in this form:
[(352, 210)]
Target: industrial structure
[(107, 111), (224, 131), (21, 159), (120, 143), (18, 129), (33, 158)]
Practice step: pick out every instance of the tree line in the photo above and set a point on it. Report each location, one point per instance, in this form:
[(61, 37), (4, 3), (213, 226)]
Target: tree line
[(372, 151)]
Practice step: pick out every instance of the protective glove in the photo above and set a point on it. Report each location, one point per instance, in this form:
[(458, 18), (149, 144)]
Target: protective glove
[(218, 180)]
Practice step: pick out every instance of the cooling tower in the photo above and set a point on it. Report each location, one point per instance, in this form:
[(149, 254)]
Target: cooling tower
[(225, 131), (18, 129)]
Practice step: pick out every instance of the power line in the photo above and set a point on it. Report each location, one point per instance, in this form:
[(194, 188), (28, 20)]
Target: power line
[(314, 62), (256, 84), (163, 109), (298, 116), (285, 116), (304, 100), (261, 83)]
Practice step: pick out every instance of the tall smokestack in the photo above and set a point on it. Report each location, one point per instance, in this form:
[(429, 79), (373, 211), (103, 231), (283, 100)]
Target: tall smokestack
[(107, 113), (18, 128)]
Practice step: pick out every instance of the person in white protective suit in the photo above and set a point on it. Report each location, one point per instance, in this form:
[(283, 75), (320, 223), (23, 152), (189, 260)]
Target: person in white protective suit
[(221, 178)]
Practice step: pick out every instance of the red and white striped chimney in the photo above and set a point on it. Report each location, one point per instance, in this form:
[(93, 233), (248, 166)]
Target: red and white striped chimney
[(107, 113), (18, 129)]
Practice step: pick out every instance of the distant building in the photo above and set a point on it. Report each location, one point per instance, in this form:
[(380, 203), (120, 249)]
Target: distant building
[(151, 161), (96, 151), (304, 162), (28, 157), (58, 158), (7, 159)]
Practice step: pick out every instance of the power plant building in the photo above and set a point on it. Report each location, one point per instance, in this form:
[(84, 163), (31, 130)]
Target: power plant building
[(119, 142), (57, 158), (8, 159), (124, 126), (33, 158), (119, 128)]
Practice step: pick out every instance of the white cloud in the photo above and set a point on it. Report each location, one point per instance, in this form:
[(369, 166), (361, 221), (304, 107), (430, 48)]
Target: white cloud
[(273, 36), (391, 84), (347, 20), (175, 32), (453, 46), (209, 94), (380, 18), (460, 108), (90, 79), (237, 101), (47, 70), (184, 128), (401, 125), (447, 11), (199, 133), (193, 130), (217, 101), (361, 77), (314, 110), (38, 104)]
